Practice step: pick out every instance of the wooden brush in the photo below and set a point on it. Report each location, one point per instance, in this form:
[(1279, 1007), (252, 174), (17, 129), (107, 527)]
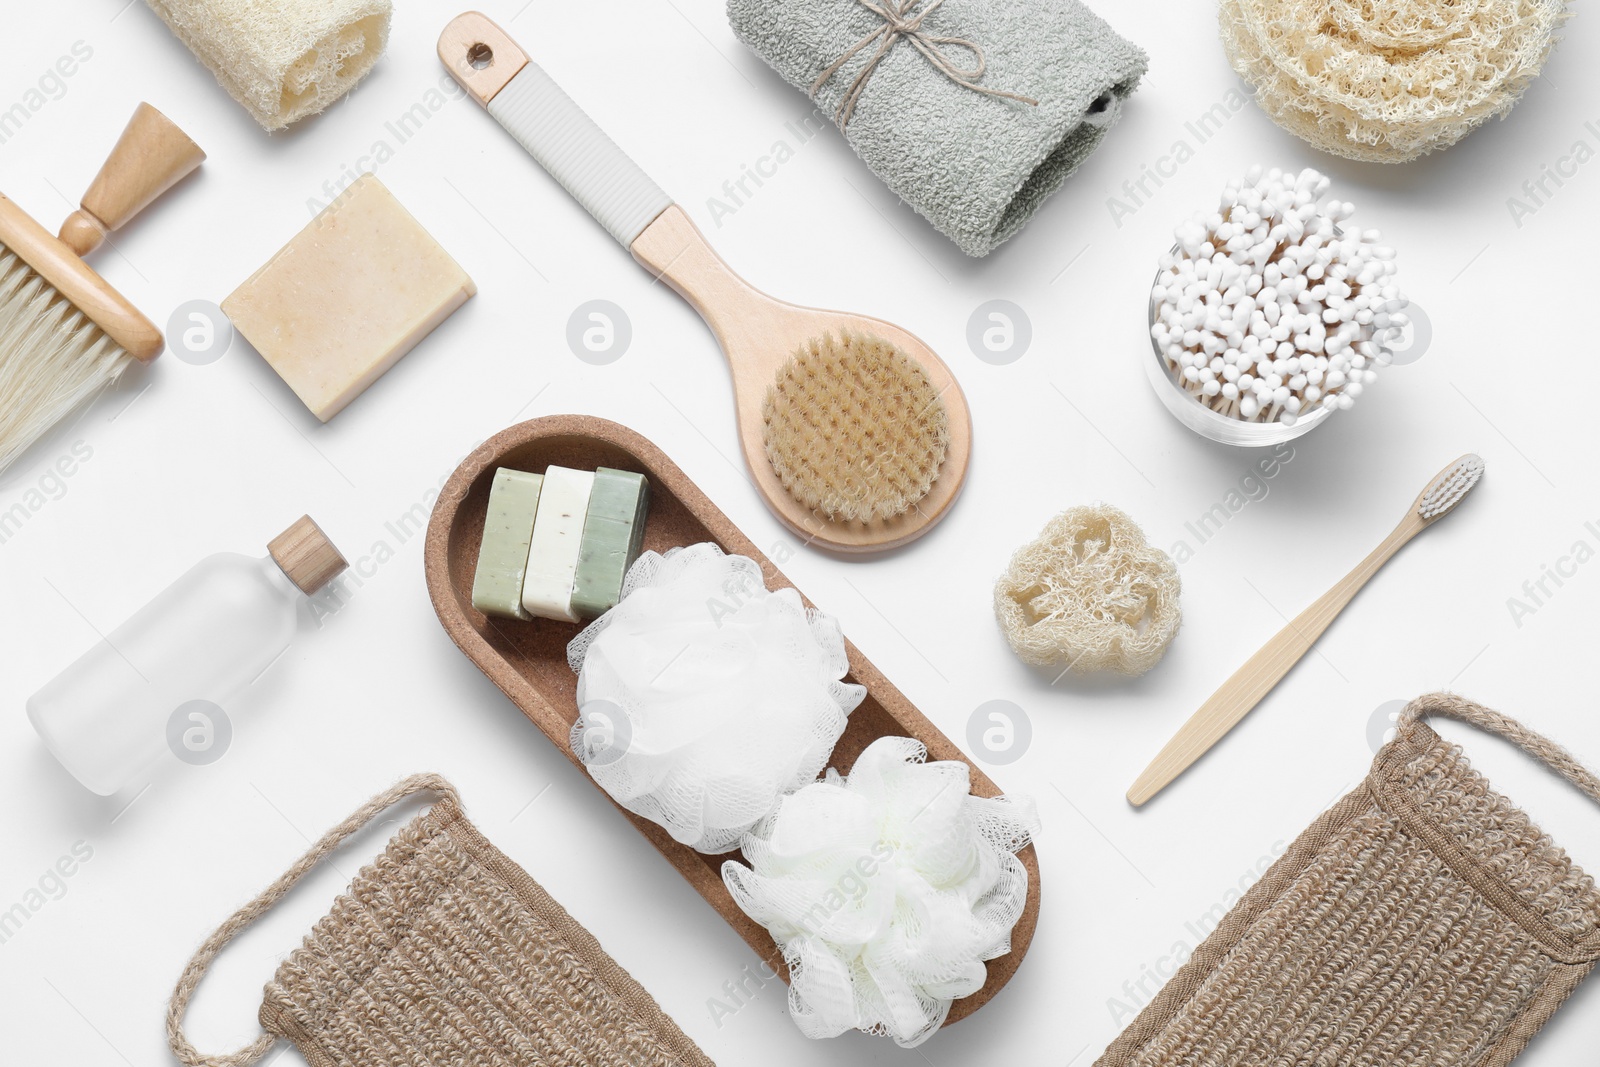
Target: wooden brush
[(855, 432), (65, 333), (1250, 683)]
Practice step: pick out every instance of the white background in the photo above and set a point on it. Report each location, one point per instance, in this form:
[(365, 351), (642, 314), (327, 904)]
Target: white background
[(188, 460)]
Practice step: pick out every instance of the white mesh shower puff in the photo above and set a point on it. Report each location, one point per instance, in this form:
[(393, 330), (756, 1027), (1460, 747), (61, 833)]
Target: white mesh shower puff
[(886, 891), (703, 696)]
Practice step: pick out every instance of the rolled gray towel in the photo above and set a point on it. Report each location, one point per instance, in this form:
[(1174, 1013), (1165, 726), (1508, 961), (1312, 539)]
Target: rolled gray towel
[(976, 166)]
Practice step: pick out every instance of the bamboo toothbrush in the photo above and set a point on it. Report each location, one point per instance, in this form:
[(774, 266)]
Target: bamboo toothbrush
[(855, 432), (1250, 683), (65, 333)]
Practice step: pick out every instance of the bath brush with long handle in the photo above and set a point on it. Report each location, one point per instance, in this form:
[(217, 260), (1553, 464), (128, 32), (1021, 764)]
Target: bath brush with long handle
[(854, 431), (1250, 683)]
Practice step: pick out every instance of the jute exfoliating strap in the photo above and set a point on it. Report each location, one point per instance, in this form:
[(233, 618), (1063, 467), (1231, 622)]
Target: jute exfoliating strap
[(442, 951), (1423, 920)]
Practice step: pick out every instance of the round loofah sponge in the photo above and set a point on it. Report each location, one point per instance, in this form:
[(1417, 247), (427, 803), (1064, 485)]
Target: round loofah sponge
[(1089, 594), (1387, 80), (886, 890), (854, 428)]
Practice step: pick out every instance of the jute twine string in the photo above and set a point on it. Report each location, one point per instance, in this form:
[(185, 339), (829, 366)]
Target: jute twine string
[(201, 962), (902, 20)]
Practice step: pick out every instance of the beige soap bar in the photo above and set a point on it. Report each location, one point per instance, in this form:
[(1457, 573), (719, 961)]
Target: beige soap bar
[(352, 293)]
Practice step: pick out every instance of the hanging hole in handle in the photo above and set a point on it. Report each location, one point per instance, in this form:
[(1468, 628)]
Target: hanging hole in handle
[(480, 56)]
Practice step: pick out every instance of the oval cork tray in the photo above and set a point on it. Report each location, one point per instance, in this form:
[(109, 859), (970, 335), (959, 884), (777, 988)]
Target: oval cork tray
[(528, 660)]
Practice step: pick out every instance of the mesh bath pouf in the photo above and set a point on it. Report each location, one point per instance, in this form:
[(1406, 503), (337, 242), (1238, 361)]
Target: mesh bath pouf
[(887, 889), (703, 696), (1387, 80)]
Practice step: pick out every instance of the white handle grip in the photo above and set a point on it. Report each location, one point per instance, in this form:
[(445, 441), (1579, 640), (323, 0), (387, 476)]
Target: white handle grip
[(578, 154)]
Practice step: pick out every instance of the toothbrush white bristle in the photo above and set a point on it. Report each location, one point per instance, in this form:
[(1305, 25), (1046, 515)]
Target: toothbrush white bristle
[(1446, 491)]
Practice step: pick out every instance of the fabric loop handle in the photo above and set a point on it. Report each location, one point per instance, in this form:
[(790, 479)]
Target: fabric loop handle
[(207, 953), (1490, 721)]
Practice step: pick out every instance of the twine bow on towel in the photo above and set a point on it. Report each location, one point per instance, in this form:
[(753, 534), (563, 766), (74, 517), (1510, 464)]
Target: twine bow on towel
[(901, 19)]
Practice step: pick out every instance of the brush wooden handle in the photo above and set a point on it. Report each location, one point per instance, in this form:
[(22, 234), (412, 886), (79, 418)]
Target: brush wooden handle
[(673, 250), (1250, 683), (150, 157), (75, 280)]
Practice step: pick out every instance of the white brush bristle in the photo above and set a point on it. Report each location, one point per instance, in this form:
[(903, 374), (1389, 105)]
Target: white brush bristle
[(52, 357), (1446, 491)]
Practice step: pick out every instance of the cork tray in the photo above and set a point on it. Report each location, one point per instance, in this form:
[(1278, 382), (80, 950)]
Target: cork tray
[(528, 660)]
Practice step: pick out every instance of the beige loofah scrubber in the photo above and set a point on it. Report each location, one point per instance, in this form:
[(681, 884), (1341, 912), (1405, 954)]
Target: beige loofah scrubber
[(282, 59), (1089, 594), (1387, 80)]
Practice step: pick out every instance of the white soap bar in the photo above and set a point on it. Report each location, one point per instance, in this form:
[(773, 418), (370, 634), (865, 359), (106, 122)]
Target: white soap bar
[(557, 538)]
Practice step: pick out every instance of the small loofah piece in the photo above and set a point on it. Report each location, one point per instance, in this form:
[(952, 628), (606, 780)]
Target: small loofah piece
[(1387, 80), (854, 428), (886, 890), (1091, 594), (282, 59), (703, 697)]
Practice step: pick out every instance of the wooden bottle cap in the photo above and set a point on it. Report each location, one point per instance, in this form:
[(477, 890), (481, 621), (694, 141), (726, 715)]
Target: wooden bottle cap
[(306, 555), (151, 157)]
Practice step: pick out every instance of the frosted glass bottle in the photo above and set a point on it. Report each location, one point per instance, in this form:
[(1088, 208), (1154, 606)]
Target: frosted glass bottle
[(205, 637)]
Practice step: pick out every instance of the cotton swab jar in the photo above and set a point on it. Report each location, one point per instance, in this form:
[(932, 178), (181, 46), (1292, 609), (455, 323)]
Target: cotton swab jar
[(1266, 317)]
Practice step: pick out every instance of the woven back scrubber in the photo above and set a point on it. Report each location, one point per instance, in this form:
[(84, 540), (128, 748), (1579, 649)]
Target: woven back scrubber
[(1423, 920), (441, 952)]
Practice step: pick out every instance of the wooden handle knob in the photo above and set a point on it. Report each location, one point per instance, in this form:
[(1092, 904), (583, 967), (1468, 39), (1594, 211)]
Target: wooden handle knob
[(151, 156)]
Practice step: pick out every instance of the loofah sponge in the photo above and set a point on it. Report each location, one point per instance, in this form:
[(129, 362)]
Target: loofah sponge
[(1089, 594), (703, 697), (854, 428), (282, 59), (886, 890), (1387, 80)]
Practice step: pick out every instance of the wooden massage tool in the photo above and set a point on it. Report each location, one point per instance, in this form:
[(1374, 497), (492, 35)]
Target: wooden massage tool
[(855, 432)]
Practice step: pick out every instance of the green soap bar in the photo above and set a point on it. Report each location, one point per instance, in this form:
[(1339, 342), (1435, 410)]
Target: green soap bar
[(503, 555), (613, 533)]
